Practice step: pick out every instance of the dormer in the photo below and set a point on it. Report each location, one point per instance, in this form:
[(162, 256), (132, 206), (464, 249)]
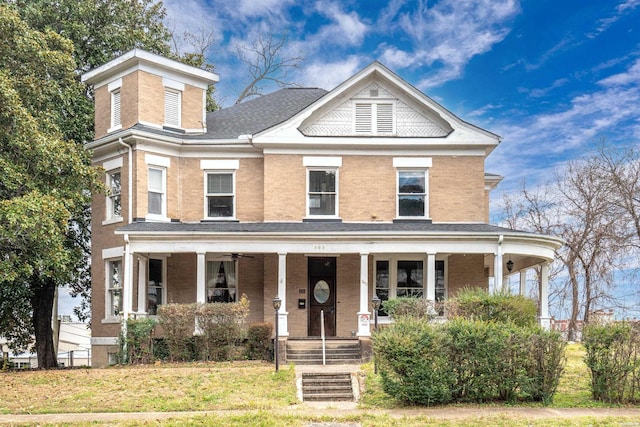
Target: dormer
[(140, 87)]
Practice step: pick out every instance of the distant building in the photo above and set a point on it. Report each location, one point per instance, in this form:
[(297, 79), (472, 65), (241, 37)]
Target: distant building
[(74, 347)]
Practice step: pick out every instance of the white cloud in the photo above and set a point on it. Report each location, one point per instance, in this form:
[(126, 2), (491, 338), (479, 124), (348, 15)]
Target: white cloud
[(328, 75), (620, 10), (346, 28), (448, 34), (632, 75), (192, 16)]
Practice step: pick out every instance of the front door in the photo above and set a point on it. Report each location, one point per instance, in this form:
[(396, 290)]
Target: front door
[(322, 296)]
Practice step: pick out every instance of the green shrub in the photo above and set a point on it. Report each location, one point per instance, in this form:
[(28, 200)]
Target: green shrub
[(178, 323), (479, 304), (220, 328), (137, 346), (467, 361), (613, 360), (259, 343), (412, 307), (412, 366)]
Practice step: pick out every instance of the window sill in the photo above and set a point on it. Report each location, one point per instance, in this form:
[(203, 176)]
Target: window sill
[(220, 219), (423, 219), (113, 129), (113, 220), (111, 320), (157, 218), (322, 219)]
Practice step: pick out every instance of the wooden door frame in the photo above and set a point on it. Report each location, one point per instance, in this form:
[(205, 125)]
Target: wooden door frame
[(334, 297)]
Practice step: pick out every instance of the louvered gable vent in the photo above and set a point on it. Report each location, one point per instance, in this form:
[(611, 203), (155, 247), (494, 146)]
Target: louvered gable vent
[(172, 107), (385, 118), (363, 118)]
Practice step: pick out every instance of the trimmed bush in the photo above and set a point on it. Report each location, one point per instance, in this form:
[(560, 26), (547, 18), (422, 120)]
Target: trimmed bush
[(220, 328), (137, 346), (467, 361), (479, 304), (259, 342), (178, 323), (612, 356), (412, 307)]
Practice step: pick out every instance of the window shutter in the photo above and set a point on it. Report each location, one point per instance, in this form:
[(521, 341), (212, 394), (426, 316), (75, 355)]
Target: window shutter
[(172, 108), (363, 118), (385, 118), (115, 109)]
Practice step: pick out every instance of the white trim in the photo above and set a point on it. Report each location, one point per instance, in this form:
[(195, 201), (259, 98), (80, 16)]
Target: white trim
[(162, 216), (112, 164), (172, 84), (331, 162), (206, 194), (336, 213), (104, 340), (220, 165), (425, 171), (112, 220), (412, 162), (115, 252), (116, 84), (154, 160)]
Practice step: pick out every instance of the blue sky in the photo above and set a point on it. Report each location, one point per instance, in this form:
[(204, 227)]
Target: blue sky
[(553, 78)]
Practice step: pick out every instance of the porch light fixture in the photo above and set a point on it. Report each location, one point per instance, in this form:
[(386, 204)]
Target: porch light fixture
[(375, 304), (277, 302), (509, 265)]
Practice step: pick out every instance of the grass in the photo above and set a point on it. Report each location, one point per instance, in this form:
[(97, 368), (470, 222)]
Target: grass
[(252, 394)]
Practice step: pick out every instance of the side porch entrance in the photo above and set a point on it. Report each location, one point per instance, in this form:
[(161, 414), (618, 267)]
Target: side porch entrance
[(322, 295)]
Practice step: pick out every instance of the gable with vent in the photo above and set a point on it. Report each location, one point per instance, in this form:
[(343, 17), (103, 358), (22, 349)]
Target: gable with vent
[(375, 110)]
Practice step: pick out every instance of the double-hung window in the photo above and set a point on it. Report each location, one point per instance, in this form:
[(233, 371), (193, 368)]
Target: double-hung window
[(156, 194), (322, 186), (412, 188), (374, 118), (156, 288), (220, 195), (114, 287), (220, 188), (322, 192), (157, 168), (221, 281), (114, 201)]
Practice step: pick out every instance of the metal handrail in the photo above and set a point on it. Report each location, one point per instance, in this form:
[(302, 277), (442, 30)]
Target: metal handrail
[(324, 361)]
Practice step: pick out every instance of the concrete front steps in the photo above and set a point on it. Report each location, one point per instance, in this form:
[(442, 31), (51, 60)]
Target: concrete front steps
[(337, 352), (327, 387)]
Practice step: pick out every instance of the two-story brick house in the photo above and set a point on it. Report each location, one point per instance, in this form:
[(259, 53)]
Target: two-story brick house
[(323, 199)]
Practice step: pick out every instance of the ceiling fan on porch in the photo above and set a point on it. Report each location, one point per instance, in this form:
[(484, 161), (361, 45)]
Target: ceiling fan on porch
[(236, 256)]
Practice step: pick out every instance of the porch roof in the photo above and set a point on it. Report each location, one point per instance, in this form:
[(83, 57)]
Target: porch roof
[(408, 226)]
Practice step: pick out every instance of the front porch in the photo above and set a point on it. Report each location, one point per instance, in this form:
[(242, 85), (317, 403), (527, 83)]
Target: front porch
[(334, 268)]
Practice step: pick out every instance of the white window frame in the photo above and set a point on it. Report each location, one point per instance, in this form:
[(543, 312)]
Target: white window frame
[(393, 273), (374, 125), (162, 191), (210, 297), (333, 164), (163, 282), (115, 94), (231, 172), (336, 192), (413, 164), (110, 214), (110, 289)]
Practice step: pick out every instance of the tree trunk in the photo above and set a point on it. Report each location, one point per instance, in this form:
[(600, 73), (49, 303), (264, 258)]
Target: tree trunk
[(575, 306), (42, 304)]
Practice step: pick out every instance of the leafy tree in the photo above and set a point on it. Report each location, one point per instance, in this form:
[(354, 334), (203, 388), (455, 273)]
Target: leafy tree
[(46, 179)]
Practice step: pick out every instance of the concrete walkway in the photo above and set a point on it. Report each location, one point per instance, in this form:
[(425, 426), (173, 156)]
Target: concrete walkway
[(335, 410)]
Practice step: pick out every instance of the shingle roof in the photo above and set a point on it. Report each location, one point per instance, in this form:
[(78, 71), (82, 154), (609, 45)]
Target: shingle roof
[(253, 116), (312, 227)]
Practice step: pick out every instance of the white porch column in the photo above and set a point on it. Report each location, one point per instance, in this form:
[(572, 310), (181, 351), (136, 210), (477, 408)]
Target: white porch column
[(364, 316), (127, 286), (523, 282), (142, 288), (431, 277), (283, 330), (545, 320), (201, 278), (497, 268)]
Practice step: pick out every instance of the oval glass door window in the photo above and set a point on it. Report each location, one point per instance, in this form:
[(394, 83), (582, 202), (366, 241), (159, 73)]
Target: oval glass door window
[(321, 291)]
